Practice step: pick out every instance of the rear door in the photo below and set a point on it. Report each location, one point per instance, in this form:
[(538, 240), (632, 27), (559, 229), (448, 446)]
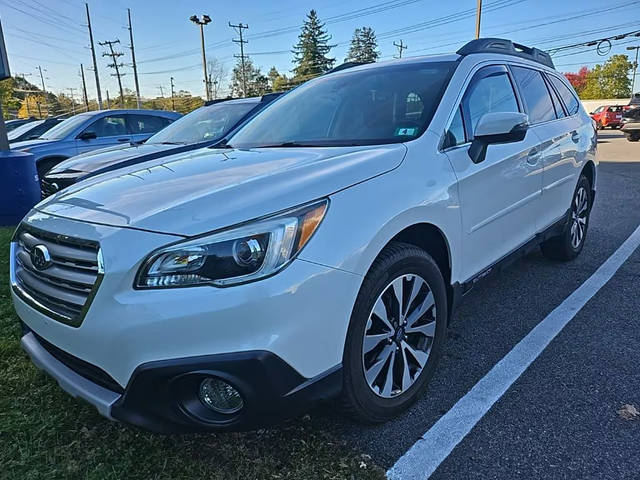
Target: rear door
[(109, 130), (499, 197), (548, 120), (143, 126)]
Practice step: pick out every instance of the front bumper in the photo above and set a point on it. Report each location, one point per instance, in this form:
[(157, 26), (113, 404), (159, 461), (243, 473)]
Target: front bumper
[(162, 396)]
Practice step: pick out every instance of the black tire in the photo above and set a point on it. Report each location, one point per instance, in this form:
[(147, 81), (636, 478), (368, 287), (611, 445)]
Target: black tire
[(561, 247), (633, 137), (358, 399)]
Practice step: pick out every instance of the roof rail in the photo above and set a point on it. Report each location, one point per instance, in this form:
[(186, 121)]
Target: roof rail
[(506, 47), (344, 66)]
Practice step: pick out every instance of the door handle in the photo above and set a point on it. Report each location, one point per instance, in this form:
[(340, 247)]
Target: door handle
[(533, 156), (575, 136)]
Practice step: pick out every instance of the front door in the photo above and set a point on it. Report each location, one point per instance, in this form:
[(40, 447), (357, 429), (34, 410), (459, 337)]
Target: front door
[(499, 197), (108, 130)]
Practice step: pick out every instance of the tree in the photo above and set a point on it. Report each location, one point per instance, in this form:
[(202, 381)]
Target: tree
[(578, 80), (277, 81), (364, 46), (610, 80), (217, 77), (310, 53), (10, 102), (257, 83)]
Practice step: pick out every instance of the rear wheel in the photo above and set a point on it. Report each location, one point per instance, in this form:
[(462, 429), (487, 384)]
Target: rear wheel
[(633, 137), (569, 243), (396, 334)]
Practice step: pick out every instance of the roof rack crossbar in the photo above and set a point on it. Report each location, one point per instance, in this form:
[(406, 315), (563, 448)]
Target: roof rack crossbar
[(506, 47)]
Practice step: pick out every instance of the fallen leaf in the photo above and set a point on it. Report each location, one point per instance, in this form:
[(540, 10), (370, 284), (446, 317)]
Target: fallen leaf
[(629, 412)]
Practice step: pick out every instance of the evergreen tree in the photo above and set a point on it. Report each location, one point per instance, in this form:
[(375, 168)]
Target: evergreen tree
[(312, 49), (257, 83), (277, 81), (364, 46)]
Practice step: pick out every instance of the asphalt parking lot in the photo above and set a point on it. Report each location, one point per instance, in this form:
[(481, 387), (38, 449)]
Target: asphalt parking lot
[(560, 418)]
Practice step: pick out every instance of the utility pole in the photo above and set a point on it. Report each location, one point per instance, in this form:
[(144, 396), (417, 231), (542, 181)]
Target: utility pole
[(93, 56), (400, 46), (84, 88), (161, 91), (108, 101), (478, 17), (238, 28), (44, 90), (173, 101), (115, 65), (205, 20), (133, 58), (73, 103), (635, 69)]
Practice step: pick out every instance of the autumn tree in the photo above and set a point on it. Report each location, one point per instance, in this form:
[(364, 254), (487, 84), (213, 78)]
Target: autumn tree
[(312, 50), (364, 46), (610, 80), (578, 80)]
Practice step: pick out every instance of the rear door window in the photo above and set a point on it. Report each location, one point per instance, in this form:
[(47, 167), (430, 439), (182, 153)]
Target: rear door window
[(535, 95), (110, 126), (147, 124), (568, 98)]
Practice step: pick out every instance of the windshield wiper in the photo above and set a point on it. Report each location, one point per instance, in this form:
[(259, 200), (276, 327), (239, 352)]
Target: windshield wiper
[(285, 144), (221, 144)]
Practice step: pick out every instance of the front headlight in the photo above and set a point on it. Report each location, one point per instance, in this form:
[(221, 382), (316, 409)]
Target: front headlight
[(237, 255)]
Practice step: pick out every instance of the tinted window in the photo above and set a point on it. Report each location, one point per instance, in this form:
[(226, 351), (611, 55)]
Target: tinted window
[(109, 126), (455, 133), (147, 123), (568, 98), (388, 104), (615, 109), (204, 124), (535, 95), (557, 104), (487, 94)]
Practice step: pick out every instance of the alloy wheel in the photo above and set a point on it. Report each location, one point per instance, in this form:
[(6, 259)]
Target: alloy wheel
[(579, 213), (399, 336)]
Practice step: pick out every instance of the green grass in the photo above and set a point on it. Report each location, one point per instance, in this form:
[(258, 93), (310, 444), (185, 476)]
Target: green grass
[(44, 433)]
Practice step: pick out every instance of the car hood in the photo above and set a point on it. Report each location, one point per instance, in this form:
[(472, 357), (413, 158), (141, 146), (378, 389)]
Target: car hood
[(32, 143), (106, 157), (206, 189)]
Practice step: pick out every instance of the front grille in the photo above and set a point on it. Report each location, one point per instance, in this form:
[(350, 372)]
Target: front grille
[(62, 284), (51, 185), (82, 368)]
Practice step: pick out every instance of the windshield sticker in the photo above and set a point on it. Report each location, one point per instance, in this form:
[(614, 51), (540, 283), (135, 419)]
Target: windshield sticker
[(406, 132)]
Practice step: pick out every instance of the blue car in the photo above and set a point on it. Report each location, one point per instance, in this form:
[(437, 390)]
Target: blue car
[(201, 128), (92, 130)]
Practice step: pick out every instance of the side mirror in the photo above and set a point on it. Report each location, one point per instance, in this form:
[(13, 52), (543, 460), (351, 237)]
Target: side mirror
[(497, 127), (87, 135)]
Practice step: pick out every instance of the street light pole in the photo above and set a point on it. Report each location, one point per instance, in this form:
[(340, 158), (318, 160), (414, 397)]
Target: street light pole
[(635, 69), (478, 16), (206, 19)]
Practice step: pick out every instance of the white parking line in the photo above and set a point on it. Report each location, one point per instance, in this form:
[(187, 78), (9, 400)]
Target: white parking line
[(436, 444)]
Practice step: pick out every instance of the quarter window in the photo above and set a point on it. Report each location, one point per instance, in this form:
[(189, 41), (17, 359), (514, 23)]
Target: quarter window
[(455, 133), (490, 93), (535, 95), (570, 101)]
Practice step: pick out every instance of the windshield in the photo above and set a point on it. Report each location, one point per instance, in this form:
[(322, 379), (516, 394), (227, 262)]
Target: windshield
[(388, 104), (64, 128), (13, 134), (203, 124)]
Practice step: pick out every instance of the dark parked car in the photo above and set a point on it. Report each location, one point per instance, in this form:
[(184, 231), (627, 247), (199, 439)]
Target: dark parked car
[(91, 131), (201, 128), (631, 124), (33, 130), (17, 122)]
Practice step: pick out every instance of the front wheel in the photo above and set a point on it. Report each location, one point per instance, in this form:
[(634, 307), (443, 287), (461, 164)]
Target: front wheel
[(569, 243), (396, 334), (633, 137)]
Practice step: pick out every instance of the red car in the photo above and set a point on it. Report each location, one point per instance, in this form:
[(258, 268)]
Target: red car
[(608, 116)]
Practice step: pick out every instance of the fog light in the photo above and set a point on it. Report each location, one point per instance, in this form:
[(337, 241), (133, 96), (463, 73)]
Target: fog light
[(219, 396)]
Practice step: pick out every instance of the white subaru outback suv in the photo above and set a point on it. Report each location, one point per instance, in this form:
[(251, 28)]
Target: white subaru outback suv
[(318, 252)]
